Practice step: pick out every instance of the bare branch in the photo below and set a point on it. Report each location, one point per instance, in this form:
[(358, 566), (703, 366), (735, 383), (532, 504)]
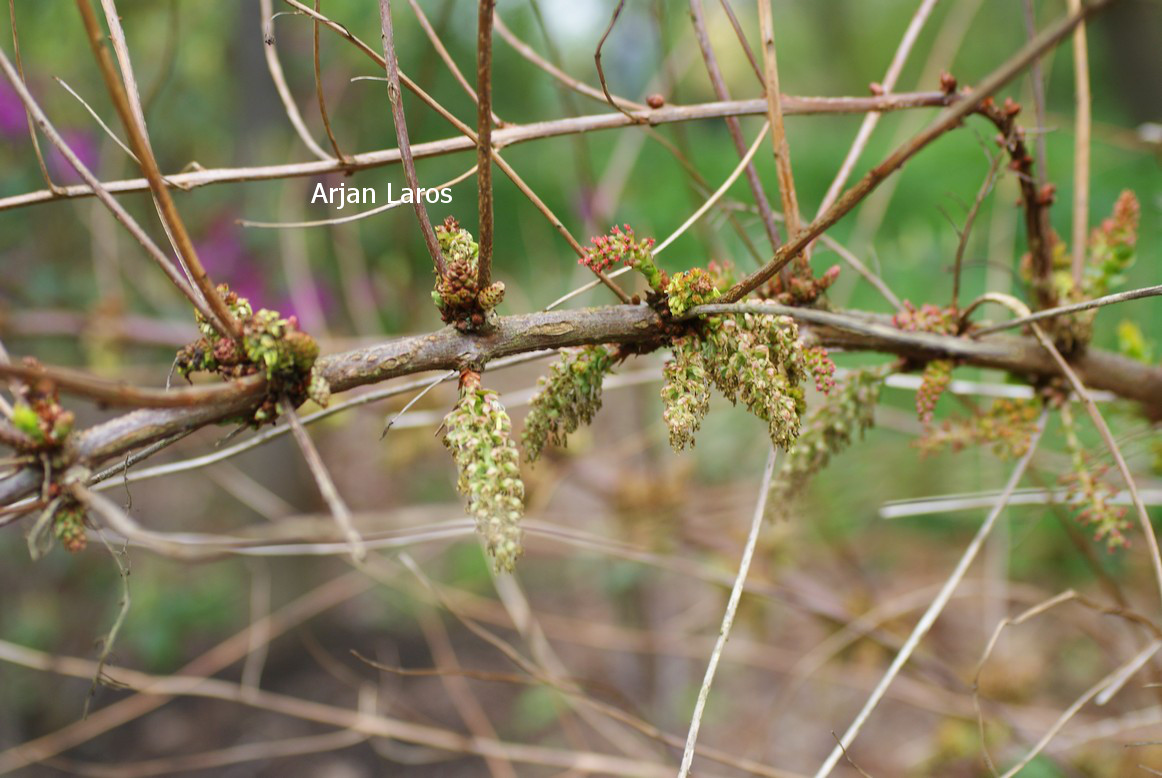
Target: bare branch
[(484, 139), (508, 136), (947, 120), (391, 64)]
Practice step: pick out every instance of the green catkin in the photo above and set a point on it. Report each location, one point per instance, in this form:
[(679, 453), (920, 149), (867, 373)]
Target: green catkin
[(478, 433), (845, 414), (685, 393), (569, 396)]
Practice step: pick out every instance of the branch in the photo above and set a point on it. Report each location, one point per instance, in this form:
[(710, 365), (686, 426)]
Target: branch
[(508, 136), (947, 120), (139, 142), (484, 140), (636, 325), (391, 65)]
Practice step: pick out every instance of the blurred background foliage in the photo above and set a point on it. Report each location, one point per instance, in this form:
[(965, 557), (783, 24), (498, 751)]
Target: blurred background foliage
[(68, 272)]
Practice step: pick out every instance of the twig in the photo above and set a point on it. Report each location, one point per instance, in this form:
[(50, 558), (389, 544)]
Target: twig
[(391, 65), (102, 194), (718, 193), (1082, 130), (742, 41), (962, 244), (484, 139), (508, 136), (766, 215), (597, 60), (220, 656), (775, 116), (280, 86), (1099, 422), (1049, 313), (919, 18), (728, 616), (366, 722), (947, 120), (131, 117), (580, 87), (353, 217), (935, 609), (1037, 81), (442, 51), (339, 510), (471, 712), (319, 91), (27, 115)]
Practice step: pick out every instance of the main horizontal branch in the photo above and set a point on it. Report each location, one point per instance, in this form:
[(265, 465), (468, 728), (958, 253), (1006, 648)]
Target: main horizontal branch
[(507, 136), (638, 325)]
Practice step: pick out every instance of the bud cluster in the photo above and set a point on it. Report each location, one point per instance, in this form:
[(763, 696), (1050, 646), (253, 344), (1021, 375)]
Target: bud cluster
[(620, 247), (478, 433), (39, 415), (690, 288), (799, 285), (1112, 247), (569, 396), (458, 295), (848, 412), (271, 345), (686, 392)]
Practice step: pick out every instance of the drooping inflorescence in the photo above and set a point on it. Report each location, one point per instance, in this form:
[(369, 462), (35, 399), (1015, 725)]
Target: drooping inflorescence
[(833, 426), (1087, 489), (937, 374), (478, 432), (569, 396), (686, 392), (271, 345), (458, 295), (1007, 425)]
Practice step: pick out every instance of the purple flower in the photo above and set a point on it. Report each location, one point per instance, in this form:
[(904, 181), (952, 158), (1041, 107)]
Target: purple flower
[(83, 145), (12, 122)]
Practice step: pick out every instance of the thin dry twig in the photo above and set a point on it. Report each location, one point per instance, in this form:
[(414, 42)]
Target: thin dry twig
[(1085, 305), (123, 92), (1019, 308), (597, 60), (28, 115), (391, 64), (222, 655), (1082, 131), (966, 231), (935, 609), (775, 116), (718, 193), (102, 194), (339, 510), (947, 120), (580, 87), (319, 96), (508, 136), (484, 139), (280, 86), (442, 51), (728, 616), (766, 215), (911, 33)]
